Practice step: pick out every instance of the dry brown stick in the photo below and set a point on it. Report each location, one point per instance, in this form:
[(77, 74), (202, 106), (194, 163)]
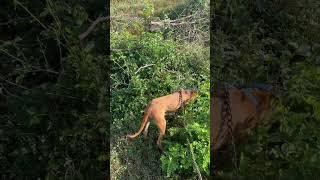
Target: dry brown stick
[(92, 26), (181, 23)]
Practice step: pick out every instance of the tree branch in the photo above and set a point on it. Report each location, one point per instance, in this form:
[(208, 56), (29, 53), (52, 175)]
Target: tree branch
[(143, 67), (92, 26)]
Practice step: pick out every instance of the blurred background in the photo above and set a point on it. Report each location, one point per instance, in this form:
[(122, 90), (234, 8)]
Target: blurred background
[(53, 90), (276, 43)]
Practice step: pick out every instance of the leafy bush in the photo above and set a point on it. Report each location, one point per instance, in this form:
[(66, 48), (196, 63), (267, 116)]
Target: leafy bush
[(178, 158), (289, 149), (145, 67)]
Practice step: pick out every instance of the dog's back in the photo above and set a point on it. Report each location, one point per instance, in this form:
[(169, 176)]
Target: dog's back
[(248, 106)]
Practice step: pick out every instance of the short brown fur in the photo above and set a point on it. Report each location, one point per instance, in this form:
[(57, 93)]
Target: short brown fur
[(157, 109), (245, 114)]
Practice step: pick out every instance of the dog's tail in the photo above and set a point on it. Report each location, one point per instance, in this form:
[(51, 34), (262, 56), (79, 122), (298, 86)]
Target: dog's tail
[(143, 124)]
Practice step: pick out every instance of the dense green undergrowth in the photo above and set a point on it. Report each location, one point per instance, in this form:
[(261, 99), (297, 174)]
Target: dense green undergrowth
[(289, 147), (191, 137), (145, 67)]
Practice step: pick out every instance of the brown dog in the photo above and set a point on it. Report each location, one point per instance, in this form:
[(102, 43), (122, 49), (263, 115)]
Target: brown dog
[(248, 109), (157, 108)]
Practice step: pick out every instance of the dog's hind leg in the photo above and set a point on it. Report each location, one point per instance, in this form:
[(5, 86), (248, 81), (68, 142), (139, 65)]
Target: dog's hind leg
[(162, 129), (145, 132)]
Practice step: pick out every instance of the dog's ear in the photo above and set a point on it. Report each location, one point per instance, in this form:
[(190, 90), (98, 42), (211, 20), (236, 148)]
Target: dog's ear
[(196, 89)]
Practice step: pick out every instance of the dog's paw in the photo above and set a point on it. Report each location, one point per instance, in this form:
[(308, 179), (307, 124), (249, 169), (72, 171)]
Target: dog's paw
[(160, 148)]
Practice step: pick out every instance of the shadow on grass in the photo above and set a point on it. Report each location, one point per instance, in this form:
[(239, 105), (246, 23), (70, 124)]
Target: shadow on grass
[(135, 159)]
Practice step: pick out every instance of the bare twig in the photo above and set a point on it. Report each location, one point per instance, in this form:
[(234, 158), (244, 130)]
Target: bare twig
[(43, 53), (194, 160), (140, 68), (8, 92), (12, 56), (38, 70), (20, 4), (57, 31), (180, 19), (49, 93), (172, 23), (11, 21), (182, 23), (92, 26), (14, 84), (22, 62), (188, 28)]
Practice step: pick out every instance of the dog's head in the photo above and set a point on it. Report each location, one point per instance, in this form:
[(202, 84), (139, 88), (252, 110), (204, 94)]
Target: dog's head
[(190, 94)]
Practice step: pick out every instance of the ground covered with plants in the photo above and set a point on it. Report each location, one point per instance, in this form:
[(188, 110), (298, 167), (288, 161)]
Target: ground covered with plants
[(53, 90), (146, 65), (275, 42)]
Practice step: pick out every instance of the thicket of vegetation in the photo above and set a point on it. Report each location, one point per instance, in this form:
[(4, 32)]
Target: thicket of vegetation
[(54, 116), (275, 42), (146, 65)]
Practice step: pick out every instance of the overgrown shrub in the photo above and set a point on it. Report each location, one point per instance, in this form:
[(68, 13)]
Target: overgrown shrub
[(146, 67), (289, 148), (193, 136)]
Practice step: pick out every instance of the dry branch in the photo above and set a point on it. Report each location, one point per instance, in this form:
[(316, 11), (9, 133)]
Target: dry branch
[(93, 25), (187, 28), (140, 68)]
